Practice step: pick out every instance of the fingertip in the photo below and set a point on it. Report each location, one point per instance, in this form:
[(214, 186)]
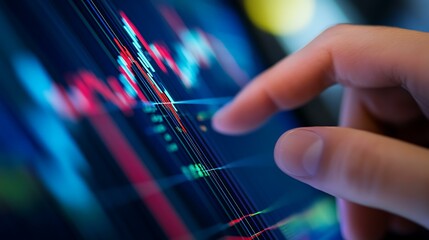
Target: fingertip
[(221, 121), (240, 117), (366, 168), (298, 153)]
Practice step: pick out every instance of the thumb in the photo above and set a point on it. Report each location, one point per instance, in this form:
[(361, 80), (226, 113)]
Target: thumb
[(361, 167)]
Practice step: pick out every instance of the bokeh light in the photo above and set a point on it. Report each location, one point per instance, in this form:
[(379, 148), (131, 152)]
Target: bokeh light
[(280, 17)]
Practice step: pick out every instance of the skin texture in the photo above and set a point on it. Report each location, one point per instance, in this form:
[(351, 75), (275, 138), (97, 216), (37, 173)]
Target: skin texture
[(377, 161)]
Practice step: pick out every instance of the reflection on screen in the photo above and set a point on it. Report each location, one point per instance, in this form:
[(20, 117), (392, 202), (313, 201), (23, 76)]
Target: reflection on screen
[(105, 110)]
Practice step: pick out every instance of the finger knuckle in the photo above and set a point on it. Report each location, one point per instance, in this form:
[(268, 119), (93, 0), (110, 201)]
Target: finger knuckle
[(336, 32)]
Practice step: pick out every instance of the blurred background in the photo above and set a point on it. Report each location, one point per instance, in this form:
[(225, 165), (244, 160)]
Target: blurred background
[(291, 24)]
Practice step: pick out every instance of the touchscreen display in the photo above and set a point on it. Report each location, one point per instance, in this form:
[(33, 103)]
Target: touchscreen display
[(105, 111)]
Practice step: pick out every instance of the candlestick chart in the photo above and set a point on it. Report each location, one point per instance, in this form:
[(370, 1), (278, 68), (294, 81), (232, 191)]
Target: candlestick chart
[(109, 105)]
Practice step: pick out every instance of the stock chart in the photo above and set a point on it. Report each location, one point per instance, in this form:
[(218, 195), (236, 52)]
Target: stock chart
[(105, 108)]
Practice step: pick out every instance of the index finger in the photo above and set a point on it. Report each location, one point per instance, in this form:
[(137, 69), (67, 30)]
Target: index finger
[(355, 56)]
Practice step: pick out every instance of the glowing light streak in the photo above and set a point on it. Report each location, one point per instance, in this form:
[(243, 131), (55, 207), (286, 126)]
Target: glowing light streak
[(203, 101), (193, 53), (197, 50), (135, 32), (166, 56), (123, 96), (136, 172), (240, 219), (195, 171), (127, 87), (164, 96), (320, 215), (126, 55), (62, 175), (87, 84)]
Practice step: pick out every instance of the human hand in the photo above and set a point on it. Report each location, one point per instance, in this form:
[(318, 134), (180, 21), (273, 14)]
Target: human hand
[(379, 179)]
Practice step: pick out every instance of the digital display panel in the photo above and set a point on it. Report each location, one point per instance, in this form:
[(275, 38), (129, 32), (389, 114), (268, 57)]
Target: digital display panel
[(105, 112)]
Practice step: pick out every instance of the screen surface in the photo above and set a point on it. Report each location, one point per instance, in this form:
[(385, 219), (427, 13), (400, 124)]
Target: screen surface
[(105, 111)]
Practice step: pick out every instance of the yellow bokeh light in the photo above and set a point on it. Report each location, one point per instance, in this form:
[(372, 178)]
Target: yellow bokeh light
[(280, 17)]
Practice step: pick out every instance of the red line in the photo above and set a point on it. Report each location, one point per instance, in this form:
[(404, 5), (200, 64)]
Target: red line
[(167, 56), (237, 238), (240, 219), (137, 172), (129, 102), (133, 85), (87, 82), (256, 235), (113, 82), (160, 94), (126, 55), (143, 41), (87, 93), (92, 81)]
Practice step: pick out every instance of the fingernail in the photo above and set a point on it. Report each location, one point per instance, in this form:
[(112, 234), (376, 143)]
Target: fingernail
[(298, 153)]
